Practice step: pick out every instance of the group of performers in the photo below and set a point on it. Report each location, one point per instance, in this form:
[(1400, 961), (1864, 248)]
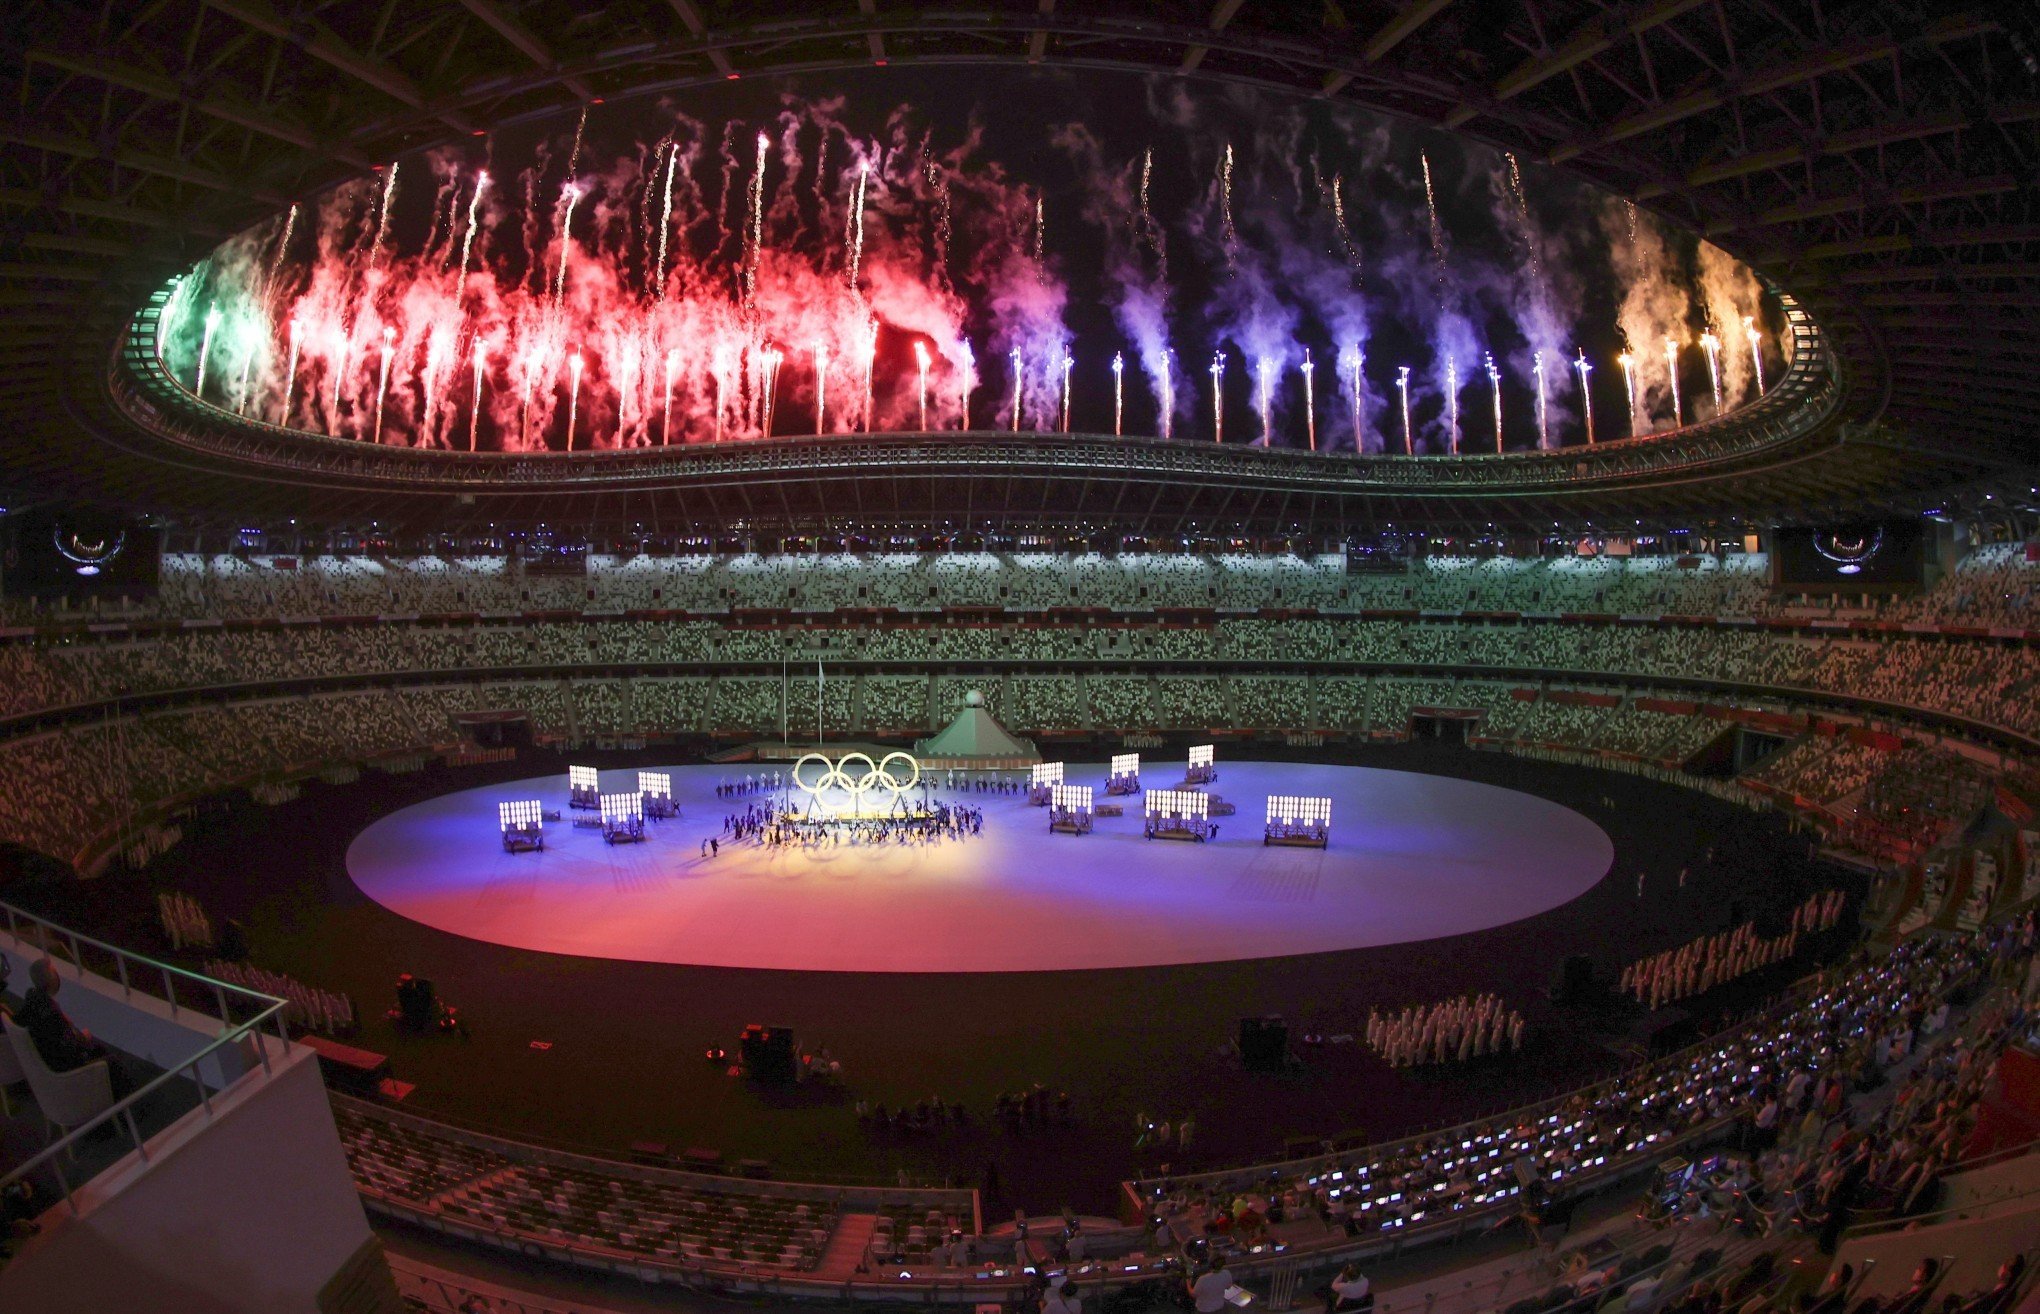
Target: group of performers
[(777, 826), (785, 828), (996, 784), (1468, 1027), (763, 782), (1700, 965)]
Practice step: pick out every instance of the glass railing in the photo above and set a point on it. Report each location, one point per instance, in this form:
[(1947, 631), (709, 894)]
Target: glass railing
[(243, 1020)]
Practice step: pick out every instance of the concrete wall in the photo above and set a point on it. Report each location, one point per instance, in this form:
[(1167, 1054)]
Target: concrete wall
[(252, 1212)]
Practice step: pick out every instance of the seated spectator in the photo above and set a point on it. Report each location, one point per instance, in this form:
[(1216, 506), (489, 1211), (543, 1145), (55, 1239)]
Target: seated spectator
[(63, 1046), (1348, 1292)]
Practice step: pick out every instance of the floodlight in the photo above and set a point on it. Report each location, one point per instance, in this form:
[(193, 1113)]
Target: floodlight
[(622, 807)]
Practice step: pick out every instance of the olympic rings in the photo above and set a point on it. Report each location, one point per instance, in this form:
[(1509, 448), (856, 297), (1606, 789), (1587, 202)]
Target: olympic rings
[(881, 776)]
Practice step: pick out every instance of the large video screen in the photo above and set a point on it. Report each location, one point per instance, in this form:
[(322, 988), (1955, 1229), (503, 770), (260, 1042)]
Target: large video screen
[(78, 555), (1874, 556)]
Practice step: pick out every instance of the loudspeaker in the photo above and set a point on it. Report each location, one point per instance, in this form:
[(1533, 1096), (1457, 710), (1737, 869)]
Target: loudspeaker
[(1264, 1043), (768, 1054), (1575, 981), (417, 1003)]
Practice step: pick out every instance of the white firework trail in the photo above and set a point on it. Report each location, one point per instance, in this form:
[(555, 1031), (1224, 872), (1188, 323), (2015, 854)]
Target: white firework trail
[(1402, 383), (480, 356), (1118, 392), (1309, 401), (568, 196), (1672, 369), (1225, 214), (1019, 384), (382, 221), (1583, 369), (665, 218), (467, 239), (754, 231), (297, 332), (1218, 397), (853, 227), (1452, 405)]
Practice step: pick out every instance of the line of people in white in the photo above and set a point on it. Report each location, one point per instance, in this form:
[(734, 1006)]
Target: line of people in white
[(307, 1006), (1453, 1030), (184, 922), (1699, 965)]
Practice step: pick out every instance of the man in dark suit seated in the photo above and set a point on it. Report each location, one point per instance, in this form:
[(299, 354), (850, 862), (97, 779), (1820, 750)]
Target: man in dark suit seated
[(62, 1045)]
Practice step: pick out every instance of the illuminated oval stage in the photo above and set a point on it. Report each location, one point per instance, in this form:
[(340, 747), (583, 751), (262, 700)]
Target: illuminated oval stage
[(1411, 857)]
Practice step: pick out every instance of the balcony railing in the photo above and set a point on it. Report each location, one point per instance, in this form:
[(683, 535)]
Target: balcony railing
[(260, 1025)]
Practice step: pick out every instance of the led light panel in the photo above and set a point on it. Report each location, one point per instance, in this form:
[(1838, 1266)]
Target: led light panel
[(520, 812), (1188, 804), (1297, 811)]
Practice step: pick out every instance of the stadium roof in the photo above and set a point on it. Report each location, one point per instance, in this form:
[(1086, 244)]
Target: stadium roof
[(1877, 160)]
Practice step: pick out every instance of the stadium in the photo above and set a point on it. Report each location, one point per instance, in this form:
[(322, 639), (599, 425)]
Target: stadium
[(1055, 656)]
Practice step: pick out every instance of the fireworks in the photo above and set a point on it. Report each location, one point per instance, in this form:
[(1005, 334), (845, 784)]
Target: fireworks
[(574, 367), (1712, 346), (1672, 371), (481, 366), (297, 333), (1218, 397), (921, 359), (1019, 382), (1356, 360), (966, 380), (1167, 384), (467, 239), (1402, 383), (1118, 393), (1494, 378), (382, 383), (1309, 403), (569, 197), (665, 220), (1225, 216), (212, 324), (870, 365), (588, 308), (854, 229), (1628, 363), (1583, 369), (1265, 374), (1452, 405)]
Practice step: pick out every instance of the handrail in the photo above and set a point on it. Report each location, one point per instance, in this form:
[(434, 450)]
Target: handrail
[(232, 1035), (1951, 1214)]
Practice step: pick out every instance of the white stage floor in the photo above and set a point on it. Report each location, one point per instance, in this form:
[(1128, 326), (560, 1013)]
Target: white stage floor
[(1413, 857)]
